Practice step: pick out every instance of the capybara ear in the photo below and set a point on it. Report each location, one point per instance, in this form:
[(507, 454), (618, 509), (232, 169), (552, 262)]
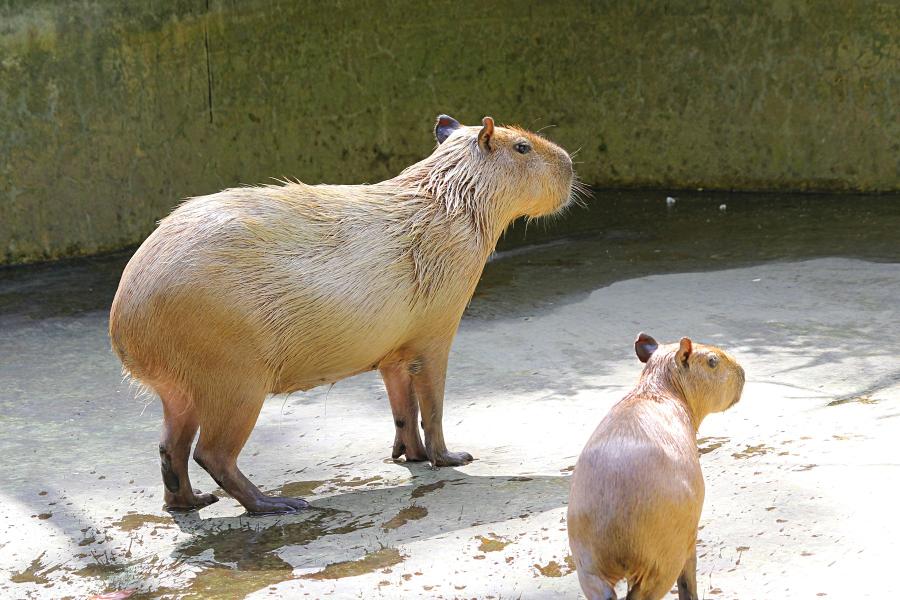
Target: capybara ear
[(444, 126), (684, 351), (485, 135), (644, 347)]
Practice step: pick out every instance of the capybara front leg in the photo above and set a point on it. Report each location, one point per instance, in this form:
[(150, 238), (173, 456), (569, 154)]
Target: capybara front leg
[(223, 432), (407, 441), (428, 372), (687, 581), (179, 428)]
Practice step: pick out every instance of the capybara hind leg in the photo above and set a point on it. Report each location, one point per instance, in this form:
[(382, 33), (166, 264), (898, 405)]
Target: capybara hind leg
[(594, 587), (224, 428), (687, 581), (428, 372), (179, 427), (407, 440)]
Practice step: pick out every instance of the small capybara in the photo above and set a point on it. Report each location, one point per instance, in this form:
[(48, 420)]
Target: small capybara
[(637, 490), (273, 289)]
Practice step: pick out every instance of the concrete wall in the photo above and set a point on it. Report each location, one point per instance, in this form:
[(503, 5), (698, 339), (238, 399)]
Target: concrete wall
[(112, 111)]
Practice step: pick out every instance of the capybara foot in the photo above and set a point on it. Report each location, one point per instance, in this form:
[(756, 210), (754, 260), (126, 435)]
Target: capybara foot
[(268, 505), (412, 453), (195, 501), (451, 459)]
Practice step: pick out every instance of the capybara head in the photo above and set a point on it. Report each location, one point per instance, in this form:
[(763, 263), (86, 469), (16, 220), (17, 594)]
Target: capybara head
[(519, 173), (708, 378)]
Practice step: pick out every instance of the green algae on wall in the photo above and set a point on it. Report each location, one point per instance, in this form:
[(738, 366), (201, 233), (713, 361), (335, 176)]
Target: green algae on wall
[(112, 112)]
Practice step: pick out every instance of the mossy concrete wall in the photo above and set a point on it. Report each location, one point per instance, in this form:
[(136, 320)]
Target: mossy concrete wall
[(112, 111)]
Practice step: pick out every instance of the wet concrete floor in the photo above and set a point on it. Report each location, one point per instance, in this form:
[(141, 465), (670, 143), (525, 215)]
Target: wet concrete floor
[(801, 476)]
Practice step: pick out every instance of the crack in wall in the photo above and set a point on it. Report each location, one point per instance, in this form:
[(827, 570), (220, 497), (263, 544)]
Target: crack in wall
[(209, 84)]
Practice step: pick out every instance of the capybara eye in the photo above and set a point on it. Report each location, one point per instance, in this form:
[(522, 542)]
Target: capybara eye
[(522, 148), (713, 360)]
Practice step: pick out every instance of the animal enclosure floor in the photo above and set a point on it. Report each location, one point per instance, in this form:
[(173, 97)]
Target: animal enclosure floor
[(801, 476)]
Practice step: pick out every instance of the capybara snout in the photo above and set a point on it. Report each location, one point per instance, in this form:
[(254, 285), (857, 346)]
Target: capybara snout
[(637, 490)]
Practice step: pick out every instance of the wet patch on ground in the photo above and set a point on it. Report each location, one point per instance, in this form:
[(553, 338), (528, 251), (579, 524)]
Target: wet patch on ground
[(134, 520), (556, 569), (426, 489), (710, 444), (380, 559), (491, 543), (751, 451), (36, 572), (857, 399), (410, 513)]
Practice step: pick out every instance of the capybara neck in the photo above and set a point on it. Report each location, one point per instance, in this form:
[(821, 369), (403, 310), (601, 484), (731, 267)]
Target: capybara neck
[(460, 199), (661, 383)]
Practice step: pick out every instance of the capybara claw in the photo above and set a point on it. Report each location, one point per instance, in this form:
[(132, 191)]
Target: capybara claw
[(451, 459), (277, 506)]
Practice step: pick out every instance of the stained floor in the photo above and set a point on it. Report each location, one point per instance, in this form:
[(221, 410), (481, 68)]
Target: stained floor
[(801, 476)]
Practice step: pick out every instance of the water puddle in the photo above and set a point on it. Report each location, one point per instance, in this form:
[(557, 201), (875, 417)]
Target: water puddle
[(856, 399), (751, 451), (381, 559), (251, 545), (410, 513), (299, 489), (492, 542), (710, 444), (36, 572), (359, 481), (555, 569), (235, 558), (428, 488), (133, 521), (303, 489)]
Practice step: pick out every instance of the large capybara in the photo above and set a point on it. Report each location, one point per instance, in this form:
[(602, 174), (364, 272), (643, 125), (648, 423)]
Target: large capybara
[(637, 490), (269, 290)]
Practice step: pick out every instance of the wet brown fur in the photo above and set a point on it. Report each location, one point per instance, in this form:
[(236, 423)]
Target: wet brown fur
[(267, 290), (637, 490)]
